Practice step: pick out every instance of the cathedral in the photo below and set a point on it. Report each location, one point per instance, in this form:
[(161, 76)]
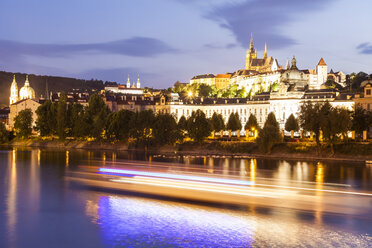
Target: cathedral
[(265, 64), (26, 92), (265, 74)]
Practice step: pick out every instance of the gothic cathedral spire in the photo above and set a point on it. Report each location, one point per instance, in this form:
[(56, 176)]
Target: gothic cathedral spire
[(265, 52)]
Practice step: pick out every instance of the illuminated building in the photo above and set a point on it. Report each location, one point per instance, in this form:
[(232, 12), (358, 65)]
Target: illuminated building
[(15, 108), (132, 89), (26, 92), (262, 74), (14, 97)]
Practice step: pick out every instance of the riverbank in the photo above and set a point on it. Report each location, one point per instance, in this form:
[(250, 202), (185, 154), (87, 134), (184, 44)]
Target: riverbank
[(353, 152)]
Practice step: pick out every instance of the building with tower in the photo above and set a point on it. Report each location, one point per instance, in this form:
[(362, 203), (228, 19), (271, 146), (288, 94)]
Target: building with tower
[(14, 97), (26, 92), (129, 88)]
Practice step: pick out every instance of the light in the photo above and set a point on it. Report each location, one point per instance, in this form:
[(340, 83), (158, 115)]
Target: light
[(189, 94), (174, 176)]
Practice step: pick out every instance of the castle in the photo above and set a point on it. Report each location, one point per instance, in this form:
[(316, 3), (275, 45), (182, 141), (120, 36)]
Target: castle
[(261, 74)]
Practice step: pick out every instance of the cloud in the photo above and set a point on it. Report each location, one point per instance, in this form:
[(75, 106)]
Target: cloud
[(136, 47), (365, 48), (218, 46), (266, 19)]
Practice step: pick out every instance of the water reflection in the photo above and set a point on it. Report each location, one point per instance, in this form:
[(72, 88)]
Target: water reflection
[(12, 198), (123, 220)]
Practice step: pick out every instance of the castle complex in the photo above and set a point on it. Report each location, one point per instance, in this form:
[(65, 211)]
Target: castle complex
[(262, 74)]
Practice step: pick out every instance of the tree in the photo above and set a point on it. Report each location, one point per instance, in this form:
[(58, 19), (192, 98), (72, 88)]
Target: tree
[(165, 130), (360, 120), (45, 120), (198, 126), (291, 125), (205, 90), (334, 121), (23, 123), (233, 123), (4, 134), (118, 125), (252, 123), (141, 125), (77, 124), (96, 116), (309, 118), (62, 116), (217, 122), (182, 123), (269, 135)]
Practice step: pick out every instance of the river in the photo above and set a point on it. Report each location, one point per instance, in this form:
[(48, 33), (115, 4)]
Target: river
[(40, 208)]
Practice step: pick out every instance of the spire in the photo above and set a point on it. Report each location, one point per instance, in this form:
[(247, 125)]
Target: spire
[(138, 82), (128, 82), (251, 44), (27, 83), (14, 80), (287, 65), (265, 52)]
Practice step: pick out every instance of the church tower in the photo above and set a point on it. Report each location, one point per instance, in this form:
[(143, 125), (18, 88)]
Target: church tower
[(128, 82), (322, 71), (251, 54), (13, 92), (138, 83), (265, 52)]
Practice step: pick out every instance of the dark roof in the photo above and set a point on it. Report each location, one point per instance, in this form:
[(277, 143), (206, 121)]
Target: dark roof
[(203, 76)]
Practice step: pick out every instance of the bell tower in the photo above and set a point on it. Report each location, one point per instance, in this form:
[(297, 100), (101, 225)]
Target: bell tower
[(251, 54), (14, 97)]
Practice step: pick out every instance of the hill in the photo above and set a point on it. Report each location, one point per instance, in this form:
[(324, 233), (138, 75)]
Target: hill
[(39, 84)]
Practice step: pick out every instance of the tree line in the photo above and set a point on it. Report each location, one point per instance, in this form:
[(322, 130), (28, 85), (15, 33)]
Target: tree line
[(96, 122)]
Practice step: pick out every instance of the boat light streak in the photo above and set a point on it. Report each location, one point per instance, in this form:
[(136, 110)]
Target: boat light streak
[(195, 186), (174, 176)]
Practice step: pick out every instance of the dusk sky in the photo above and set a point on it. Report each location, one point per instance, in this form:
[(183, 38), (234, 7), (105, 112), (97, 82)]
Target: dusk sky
[(168, 40)]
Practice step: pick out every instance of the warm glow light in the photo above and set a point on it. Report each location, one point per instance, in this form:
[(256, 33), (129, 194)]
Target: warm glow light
[(189, 93), (174, 176)]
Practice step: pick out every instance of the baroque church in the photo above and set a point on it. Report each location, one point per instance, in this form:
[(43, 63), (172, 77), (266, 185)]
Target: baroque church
[(26, 92)]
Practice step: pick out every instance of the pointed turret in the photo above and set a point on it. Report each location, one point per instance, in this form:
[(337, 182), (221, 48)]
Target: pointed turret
[(287, 65), (322, 62), (251, 54), (13, 92), (128, 82), (265, 52), (138, 82)]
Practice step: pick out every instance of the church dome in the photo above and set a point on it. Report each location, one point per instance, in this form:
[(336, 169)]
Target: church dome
[(27, 92)]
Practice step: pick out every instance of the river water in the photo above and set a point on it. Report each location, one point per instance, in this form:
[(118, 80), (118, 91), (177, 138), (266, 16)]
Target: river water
[(40, 208)]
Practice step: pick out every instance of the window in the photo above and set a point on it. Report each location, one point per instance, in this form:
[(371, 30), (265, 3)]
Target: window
[(368, 92)]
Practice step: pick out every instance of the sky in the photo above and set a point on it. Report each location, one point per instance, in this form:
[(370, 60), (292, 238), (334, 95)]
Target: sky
[(164, 41)]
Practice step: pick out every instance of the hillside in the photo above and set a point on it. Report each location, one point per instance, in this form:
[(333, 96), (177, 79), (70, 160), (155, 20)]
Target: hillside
[(39, 84)]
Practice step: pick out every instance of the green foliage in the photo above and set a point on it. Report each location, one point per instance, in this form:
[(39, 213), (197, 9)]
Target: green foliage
[(182, 123), (217, 122), (334, 121), (4, 134), (141, 125), (251, 123), (360, 119), (198, 126), (165, 130), (234, 122), (118, 127), (46, 119), (269, 135), (291, 124), (96, 116), (78, 125), (309, 118), (62, 116), (23, 123)]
